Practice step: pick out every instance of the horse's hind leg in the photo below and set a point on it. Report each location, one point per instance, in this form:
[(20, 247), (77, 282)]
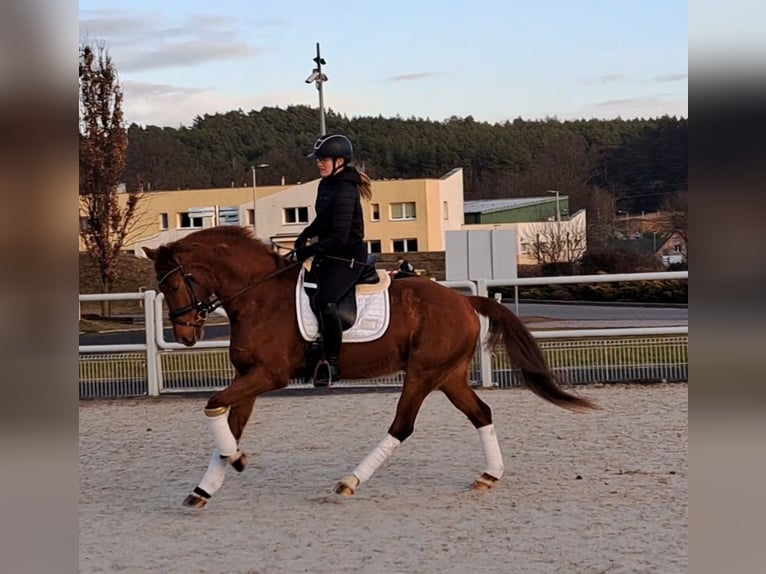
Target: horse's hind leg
[(459, 392), (216, 469), (413, 394)]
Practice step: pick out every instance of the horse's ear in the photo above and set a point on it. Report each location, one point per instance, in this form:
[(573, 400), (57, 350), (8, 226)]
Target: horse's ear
[(150, 253)]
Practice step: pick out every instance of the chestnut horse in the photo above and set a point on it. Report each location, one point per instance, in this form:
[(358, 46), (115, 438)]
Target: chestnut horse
[(432, 337)]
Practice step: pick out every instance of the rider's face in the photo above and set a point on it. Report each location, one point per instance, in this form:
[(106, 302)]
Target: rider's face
[(325, 165)]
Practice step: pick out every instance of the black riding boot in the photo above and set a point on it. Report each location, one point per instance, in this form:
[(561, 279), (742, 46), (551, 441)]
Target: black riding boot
[(332, 335)]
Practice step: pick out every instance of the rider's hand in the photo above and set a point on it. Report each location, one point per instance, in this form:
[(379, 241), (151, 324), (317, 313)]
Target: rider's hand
[(300, 243), (303, 253)]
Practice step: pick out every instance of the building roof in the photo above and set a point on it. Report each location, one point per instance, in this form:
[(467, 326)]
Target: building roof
[(490, 205)]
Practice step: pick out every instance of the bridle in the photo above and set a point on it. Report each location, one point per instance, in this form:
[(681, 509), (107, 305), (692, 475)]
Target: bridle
[(204, 309)]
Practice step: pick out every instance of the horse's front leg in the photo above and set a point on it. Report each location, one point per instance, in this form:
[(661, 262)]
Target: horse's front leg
[(227, 413), (216, 469)]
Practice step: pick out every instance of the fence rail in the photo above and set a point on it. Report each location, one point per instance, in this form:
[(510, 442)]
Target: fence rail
[(577, 356)]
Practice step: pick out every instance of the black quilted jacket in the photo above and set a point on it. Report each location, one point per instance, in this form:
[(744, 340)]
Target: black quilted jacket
[(338, 226)]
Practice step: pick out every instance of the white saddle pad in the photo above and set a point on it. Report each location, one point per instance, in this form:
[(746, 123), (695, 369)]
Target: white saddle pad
[(372, 311)]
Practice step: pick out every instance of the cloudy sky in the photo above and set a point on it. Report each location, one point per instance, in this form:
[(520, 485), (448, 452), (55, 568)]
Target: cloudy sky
[(492, 59)]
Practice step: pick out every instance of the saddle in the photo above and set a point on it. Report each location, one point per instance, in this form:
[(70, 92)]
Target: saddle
[(364, 310)]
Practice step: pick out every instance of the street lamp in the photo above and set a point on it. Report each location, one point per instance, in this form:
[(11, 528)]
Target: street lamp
[(318, 78), (558, 210), (253, 168)]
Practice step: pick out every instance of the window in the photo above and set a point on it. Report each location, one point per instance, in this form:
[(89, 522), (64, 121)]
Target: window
[(295, 215), (403, 210), (186, 221), (678, 248), (373, 246), (405, 245), (163, 220), (375, 213), (85, 224), (228, 215), (445, 210), (251, 217)]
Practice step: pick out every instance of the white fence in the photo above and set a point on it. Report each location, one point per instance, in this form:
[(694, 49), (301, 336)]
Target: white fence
[(157, 366)]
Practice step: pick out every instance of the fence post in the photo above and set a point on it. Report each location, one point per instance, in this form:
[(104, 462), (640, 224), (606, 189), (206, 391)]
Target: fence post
[(485, 357), (152, 356)]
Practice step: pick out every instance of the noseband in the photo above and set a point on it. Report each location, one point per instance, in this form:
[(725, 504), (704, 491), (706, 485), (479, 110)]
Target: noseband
[(203, 309)]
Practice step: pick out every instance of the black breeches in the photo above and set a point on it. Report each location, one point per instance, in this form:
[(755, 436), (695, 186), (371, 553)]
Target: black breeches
[(334, 280)]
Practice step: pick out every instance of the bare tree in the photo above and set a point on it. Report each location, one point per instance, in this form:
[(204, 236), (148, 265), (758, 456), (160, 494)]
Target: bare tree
[(601, 214), (555, 242), (104, 224)]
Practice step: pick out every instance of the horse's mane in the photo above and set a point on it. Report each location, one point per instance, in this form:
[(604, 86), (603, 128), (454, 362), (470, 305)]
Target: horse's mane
[(229, 236)]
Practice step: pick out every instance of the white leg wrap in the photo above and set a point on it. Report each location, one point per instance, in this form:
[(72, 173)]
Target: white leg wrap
[(377, 457), (491, 451), (224, 440), (216, 470)]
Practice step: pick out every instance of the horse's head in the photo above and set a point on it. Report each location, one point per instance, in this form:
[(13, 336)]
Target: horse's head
[(188, 296)]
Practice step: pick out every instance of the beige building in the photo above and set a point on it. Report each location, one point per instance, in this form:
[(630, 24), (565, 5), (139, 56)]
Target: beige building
[(403, 215)]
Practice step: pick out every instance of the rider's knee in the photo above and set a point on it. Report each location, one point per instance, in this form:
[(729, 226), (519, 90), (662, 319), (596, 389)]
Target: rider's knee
[(329, 308)]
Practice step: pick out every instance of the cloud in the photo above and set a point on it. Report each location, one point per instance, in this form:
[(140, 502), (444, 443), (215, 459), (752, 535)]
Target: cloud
[(603, 79), (114, 25), (411, 77), (185, 54), (147, 89), (145, 42), (655, 105), (624, 101), (171, 105), (671, 77)]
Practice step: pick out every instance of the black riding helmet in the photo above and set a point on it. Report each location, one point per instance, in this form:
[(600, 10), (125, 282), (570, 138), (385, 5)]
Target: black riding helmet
[(332, 146)]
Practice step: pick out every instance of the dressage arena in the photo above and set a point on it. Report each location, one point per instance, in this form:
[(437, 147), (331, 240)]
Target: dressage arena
[(604, 491)]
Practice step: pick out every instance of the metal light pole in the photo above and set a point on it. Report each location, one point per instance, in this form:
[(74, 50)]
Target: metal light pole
[(253, 168), (558, 210), (319, 78)]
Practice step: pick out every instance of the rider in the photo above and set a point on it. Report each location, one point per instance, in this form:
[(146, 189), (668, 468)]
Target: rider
[(340, 251)]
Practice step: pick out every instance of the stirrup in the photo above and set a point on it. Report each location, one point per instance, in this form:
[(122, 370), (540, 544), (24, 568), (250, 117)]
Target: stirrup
[(330, 374)]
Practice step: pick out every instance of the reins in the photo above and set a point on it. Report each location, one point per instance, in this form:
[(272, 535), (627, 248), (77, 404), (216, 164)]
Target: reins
[(204, 309)]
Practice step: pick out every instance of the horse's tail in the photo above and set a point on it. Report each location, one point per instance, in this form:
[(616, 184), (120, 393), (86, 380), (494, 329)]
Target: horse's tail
[(507, 329)]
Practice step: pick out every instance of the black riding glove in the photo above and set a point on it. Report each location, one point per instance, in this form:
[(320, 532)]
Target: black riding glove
[(300, 243), (303, 253)]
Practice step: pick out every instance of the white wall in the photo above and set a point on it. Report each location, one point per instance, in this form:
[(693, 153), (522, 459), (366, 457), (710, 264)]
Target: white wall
[(269, 211)]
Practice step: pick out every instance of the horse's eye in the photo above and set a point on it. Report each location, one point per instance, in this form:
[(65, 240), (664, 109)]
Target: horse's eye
[(174, 288)]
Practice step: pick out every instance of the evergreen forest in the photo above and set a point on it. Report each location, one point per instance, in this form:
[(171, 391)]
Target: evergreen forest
[(632, 165)]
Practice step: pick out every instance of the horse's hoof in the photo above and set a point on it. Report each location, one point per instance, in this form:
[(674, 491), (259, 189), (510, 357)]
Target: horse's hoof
[(347, 486), (240, 464), (194, 501), (484, 482)]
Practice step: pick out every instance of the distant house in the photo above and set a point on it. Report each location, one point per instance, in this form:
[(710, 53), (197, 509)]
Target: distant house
[(669, 247), (646, 233), (673, 249)]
